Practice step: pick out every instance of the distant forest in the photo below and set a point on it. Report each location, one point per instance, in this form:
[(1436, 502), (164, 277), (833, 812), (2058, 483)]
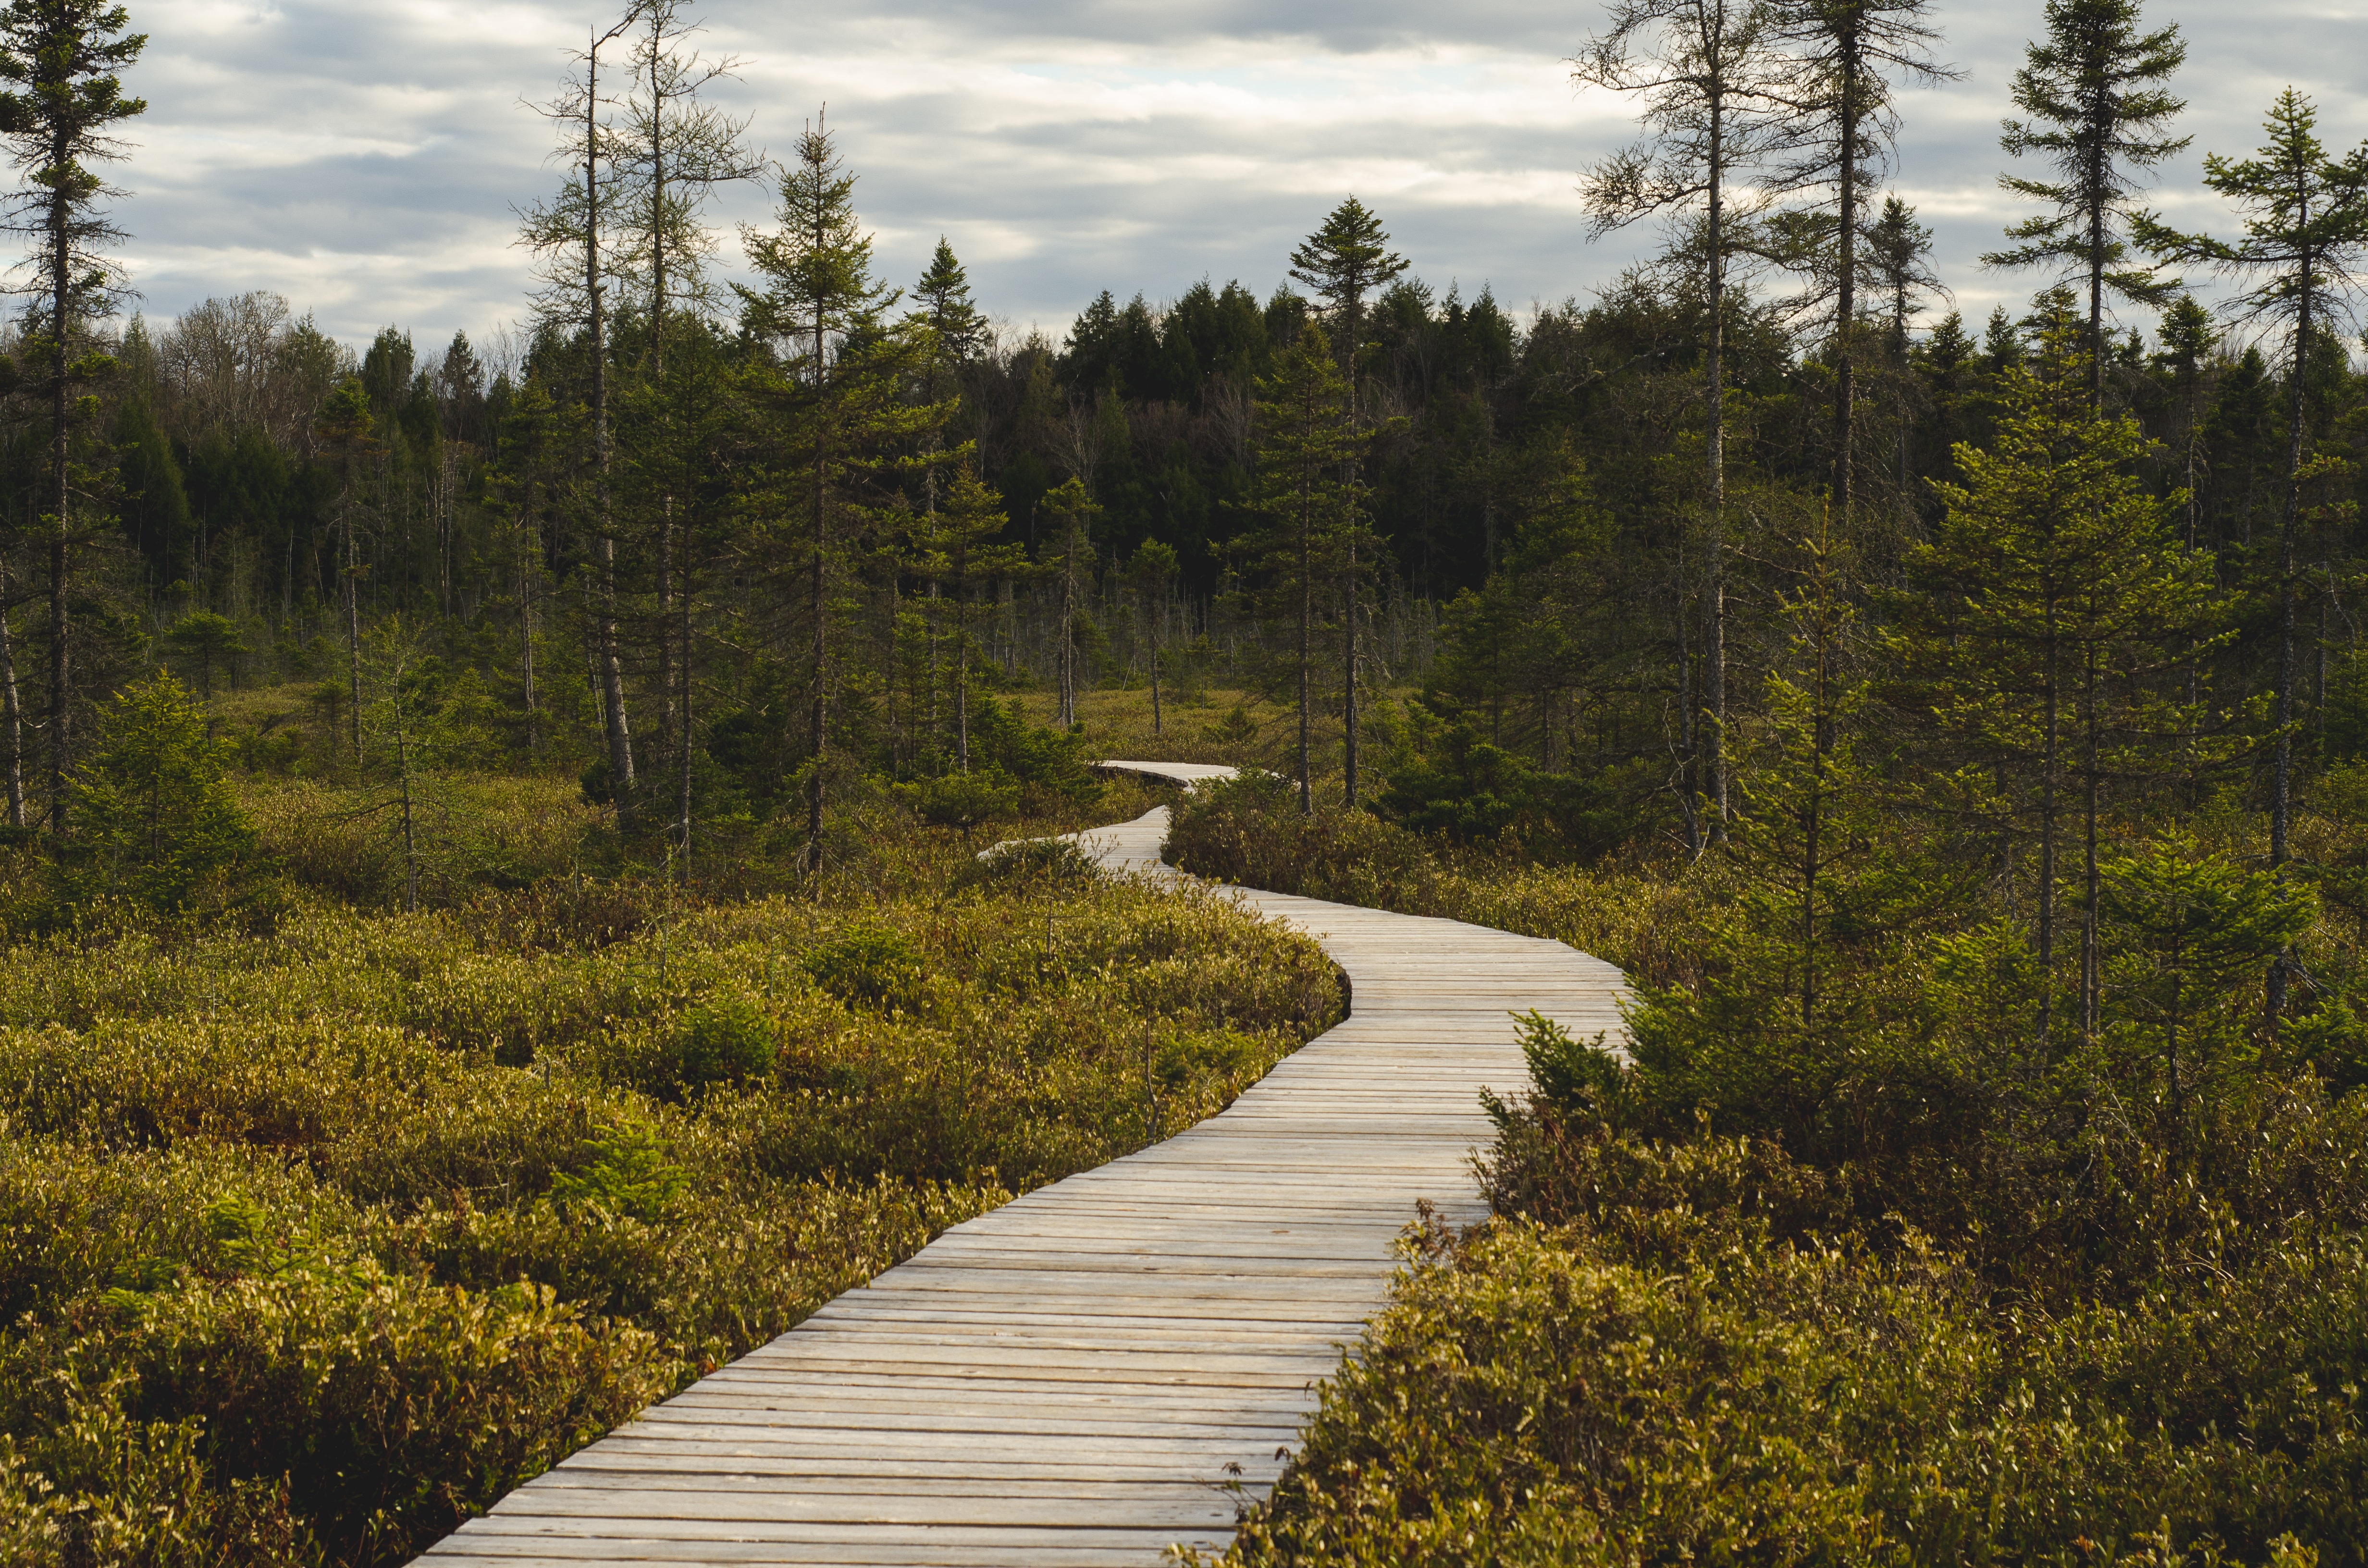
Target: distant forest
[(724, 545)]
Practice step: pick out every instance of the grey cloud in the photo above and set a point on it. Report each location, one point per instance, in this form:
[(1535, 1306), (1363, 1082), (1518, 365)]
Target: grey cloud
[(365, 161)]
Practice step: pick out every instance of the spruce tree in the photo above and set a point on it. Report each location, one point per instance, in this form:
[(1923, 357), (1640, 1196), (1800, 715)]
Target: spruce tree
[(2305, 221), (1072, 511), (62, 62), (2050, 596), (2094, 109), (1342, 262), (1307, 445), (1702, 75), (838, 398), (1839, 126), (571, 235)]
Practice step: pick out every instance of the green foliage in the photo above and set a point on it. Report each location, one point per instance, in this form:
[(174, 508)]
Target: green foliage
[(868, 961), (964, 800), (627, 1173), (1576, 1078), (300, 1258), (1692, 1345), (1043, 863), (156, 823), (724, 1040)]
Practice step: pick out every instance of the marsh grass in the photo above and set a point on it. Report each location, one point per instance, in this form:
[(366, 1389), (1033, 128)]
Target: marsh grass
[(313, 1242)]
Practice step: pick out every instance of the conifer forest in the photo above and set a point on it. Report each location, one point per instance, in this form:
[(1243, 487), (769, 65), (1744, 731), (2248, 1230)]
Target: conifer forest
[(491, 886)]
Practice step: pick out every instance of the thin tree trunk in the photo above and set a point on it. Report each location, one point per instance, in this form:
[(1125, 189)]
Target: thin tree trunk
[(60, 660), (2047, 767), (1846, 291), (1348, 705), (11, 712), (529, 549), (2281, 783), (612, 676), (819, 713), (1307, 628), (2090, 977), (353, 632), (1714, 589)]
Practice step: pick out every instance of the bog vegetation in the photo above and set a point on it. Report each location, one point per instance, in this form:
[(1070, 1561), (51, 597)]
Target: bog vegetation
[(488, 865)]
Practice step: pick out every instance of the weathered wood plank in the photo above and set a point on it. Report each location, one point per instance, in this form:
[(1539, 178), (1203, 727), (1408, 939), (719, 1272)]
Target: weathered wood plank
[(1066, 1379)]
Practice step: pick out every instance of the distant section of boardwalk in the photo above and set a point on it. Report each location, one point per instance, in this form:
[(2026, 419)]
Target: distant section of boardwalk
[(1069, 1379)]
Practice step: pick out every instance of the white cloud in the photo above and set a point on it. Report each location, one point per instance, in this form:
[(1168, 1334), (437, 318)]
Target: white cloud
[(365, 162)]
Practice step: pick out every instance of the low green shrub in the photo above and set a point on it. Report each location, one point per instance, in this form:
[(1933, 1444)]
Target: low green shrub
[(314, 1242), (1704, 1362)]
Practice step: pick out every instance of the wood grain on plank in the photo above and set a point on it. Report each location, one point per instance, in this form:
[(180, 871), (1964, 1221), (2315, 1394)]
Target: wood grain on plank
[(1102, 1367)]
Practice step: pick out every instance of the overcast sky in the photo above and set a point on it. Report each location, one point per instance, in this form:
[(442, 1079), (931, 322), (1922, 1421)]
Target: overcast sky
[(366, 161)]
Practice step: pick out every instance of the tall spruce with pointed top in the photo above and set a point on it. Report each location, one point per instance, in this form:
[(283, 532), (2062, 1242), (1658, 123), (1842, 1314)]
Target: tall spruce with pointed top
[(1839, 125), (1899, 265), (2305, 218), (942, 303), (62, 62), (1701, 74), (2094, 107), (1307, 445), (1343, 261), (837, 396)]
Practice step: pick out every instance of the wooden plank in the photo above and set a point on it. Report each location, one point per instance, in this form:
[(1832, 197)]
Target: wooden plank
[(1064, 1381)]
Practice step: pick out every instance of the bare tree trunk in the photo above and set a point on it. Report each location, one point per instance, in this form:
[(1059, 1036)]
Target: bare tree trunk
[(612, 678), (2282, 784), (61, 659), (1306, 631), (1348, 705), (11, 714), (1714, 587)]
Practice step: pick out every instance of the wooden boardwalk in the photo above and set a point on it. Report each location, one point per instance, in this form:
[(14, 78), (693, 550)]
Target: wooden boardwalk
[(1068, 1380)]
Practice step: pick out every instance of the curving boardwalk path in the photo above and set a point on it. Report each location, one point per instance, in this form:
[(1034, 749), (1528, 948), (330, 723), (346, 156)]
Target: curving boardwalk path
[(1066, 1380)]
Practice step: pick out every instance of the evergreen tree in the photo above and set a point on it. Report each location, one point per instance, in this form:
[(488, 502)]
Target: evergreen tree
[(2052, 592), (838, 398), (1307, 445), (965, 555), (155, 819), (1839, 127), (1072, 511), (2306, 217), (1342, 262), (2096, 107), (1702, 75), (572, 234), (62, 62)]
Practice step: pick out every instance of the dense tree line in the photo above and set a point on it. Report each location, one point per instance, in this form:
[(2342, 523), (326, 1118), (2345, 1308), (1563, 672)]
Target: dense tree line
[(725, 546)]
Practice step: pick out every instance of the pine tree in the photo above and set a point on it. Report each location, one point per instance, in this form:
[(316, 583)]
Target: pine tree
[(2305, 216), (1072, 511), (957, 331), (1702, 75), (2052, 594), (1307, 444), (1153, 571), (2096, 107), (572, 234), (838, 401), (344, 427), (1897, 264), (965, 555), (1342, 262), (1839, 127), (62, 62)]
